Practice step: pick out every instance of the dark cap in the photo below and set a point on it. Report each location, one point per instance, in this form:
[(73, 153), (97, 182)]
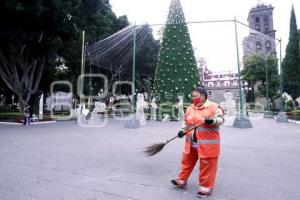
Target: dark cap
[(201, 90)]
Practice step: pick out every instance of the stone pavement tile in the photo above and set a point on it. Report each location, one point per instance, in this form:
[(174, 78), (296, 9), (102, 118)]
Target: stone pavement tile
[(64, 160), (141, 179), (23, 187), (237, 189), (137, 191), (40, 183), (11, 195)]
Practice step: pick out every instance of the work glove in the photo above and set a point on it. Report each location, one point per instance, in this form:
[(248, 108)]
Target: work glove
[(181, 134), (209, 120)]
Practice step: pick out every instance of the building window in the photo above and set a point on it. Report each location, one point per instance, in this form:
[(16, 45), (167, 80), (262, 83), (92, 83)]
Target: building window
[(268, 46), (257, 27), (258, 46), (266, 18), (266, 27), (256, 19)]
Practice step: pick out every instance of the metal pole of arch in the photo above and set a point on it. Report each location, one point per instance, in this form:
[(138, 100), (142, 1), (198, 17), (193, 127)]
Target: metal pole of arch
[(133, 69), (82, 68), (133, 122), (81, 118), (239, 67), (241, 120), (267, 83), (281, 118), (82, 52)]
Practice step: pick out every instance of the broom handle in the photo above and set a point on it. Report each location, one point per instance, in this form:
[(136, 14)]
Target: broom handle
[(184, 132)]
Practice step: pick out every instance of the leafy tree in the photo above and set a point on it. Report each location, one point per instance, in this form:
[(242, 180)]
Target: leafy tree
[(99, 21), (291, 62), (41, 43), (254, 73), (28, 33), (40, 40)]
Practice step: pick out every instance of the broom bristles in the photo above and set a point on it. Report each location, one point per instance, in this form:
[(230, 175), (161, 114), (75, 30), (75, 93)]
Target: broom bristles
[(154, 149)]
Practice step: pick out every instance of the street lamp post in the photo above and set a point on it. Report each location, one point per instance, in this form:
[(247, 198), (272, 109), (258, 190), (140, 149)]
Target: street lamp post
[(267, 84), (268, 113), (241, 120), (281, 118), (246, 90)]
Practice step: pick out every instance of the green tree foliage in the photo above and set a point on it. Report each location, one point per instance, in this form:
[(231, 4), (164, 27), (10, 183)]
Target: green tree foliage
[(176, 73), (29, 33), (291, 62), (40, 40), (254, 73), (99, 21)]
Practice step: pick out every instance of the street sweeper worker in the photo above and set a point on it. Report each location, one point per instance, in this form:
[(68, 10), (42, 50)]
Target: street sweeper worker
[(202, 143)]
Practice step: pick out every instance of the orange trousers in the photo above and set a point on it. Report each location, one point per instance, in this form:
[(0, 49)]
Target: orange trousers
[(208, 170)]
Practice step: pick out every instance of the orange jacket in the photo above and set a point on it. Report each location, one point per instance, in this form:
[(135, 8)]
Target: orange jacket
[(206, 137)]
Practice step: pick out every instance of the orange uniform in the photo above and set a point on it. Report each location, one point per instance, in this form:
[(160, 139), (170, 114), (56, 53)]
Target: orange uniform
[(203, 143)]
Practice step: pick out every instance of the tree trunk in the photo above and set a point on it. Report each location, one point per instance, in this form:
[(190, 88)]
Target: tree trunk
[(22, 103)]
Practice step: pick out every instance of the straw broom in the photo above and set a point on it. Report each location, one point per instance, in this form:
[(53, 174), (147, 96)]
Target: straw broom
[(156, 148)]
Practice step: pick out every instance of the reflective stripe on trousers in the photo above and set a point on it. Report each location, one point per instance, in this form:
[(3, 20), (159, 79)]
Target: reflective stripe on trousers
[(204, 189)]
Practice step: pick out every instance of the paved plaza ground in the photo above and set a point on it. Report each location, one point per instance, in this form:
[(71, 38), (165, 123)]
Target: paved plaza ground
[(63, 161)]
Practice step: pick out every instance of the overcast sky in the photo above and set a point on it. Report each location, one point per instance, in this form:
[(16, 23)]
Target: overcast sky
[(214, 41)]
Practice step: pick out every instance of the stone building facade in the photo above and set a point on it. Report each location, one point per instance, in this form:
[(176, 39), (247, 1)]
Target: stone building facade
[(261, 39), (217, 83)]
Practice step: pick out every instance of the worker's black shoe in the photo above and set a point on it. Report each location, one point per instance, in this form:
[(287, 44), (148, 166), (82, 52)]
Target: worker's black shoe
[(178, 183), (201, 195)]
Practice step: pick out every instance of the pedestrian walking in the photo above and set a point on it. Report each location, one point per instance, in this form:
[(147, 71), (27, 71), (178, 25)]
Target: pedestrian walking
[(27, 113)]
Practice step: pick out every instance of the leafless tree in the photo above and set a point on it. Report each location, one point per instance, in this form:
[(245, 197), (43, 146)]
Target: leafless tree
[(115, 74), (21, 73)]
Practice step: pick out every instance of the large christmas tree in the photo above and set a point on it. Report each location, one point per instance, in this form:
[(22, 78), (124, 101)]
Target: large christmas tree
[(176, 73)]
